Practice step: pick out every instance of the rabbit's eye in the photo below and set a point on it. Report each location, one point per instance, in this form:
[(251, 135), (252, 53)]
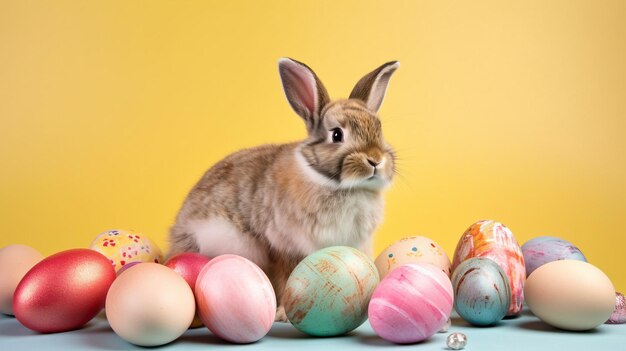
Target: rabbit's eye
[(337, 135)]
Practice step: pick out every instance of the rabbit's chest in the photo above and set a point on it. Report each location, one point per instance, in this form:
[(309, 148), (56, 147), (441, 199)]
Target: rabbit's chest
[(348, 221)]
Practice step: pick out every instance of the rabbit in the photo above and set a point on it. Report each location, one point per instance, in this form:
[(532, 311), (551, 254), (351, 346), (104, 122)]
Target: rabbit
[(276, 204)]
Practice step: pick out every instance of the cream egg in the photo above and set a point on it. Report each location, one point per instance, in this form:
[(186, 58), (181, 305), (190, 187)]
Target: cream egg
[(414, 249), (570, 294), (15, 261)]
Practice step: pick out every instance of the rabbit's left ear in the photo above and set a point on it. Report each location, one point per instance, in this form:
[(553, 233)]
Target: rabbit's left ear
[(372, 87)]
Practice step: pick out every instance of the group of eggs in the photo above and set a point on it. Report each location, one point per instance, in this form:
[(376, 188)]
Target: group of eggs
[(407, 293)]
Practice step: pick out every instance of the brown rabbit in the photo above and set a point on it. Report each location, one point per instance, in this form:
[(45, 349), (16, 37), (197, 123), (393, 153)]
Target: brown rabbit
[(276, 204)]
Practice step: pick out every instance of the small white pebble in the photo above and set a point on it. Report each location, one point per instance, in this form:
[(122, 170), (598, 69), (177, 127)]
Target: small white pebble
[(456, 341)]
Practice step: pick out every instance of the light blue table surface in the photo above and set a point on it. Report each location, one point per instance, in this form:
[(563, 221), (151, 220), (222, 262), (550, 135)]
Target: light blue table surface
[(522, 333)]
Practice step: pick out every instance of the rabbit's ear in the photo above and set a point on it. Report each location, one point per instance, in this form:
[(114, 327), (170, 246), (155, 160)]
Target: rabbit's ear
[(372, 87), (305, 92)]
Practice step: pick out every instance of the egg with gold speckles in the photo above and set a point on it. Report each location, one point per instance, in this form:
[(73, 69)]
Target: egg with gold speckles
[(414, 249), (122, 247), (328, 292)]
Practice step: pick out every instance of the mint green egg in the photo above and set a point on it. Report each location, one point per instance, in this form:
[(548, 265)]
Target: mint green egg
[(328, 292)]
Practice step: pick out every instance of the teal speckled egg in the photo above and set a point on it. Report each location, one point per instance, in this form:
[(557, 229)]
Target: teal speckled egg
[(328, 292), (481, 291)]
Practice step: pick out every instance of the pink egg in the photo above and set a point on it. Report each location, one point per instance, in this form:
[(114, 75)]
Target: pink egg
[(188, 265), (63, 291), (411, 304), (235, 299)]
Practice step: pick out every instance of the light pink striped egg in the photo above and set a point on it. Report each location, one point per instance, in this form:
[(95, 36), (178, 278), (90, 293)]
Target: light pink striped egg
[(235, 299), (411, 304)]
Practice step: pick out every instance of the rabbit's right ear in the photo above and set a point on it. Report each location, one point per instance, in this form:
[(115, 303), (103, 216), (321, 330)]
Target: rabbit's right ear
[(305, 92)]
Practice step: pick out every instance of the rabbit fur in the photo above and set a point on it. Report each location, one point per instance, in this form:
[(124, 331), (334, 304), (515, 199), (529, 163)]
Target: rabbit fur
[(276, 204)]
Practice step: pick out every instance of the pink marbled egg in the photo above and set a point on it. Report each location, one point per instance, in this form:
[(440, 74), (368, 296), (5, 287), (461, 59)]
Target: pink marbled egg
[(235, 299), (411, 304)]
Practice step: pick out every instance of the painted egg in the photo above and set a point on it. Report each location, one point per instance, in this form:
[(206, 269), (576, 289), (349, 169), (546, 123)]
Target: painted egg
[(544, 249), (236, 300), (127, 266), (481, 291), (619, 312), (15, 261), (493, 240), (125, 246), (188, 265), (328, 292), (411, 304), (570, 294), (63, 291), (412, 250), (150, 305)]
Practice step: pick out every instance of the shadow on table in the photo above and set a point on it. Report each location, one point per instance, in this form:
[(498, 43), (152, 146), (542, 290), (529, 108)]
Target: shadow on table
[(9, 326), (540, 326), (377, 341)]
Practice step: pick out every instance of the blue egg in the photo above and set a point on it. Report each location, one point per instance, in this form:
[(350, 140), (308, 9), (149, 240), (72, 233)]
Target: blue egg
[(545, 249), (482, 294)]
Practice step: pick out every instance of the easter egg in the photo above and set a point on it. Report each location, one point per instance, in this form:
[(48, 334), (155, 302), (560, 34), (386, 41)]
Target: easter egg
[(412, 250), (481, 291), (63, 291), (328, 291), (188, 265), (619, 312), (544, 249), (125, 246), (236, 300), (126, 267), (570, 294), (493, 240), (15, 261), (150, 305), (411, 303)]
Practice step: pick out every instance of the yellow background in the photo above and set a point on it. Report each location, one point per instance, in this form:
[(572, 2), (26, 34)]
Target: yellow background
[(515, 111)]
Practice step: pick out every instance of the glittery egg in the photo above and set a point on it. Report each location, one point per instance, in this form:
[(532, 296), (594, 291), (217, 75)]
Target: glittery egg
[(15, 261), (124, 246), (412, 250), (411, 304), (63, 291), (481, 291), (494, 240), (544, 249), (189, 265), (328, 291), (236, 300), (619, 312), (570, 294), (150, 305)]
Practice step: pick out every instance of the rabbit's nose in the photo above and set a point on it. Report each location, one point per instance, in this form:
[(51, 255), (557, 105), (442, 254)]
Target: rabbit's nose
[(372, 162)]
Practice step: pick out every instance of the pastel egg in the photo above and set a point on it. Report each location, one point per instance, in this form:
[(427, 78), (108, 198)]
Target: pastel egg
[(412, 250), (15, 261), (126, 246), (494, 240), (411, 303), (150, 305), (328, 292), (619, 312), (544, 249), (570, 294), (188, 265), (63, 291), (236, 300), (482, 294)]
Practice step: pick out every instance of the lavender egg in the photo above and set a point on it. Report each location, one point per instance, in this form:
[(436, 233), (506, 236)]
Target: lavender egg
[(619, 313), (411, 304), (545, 249), (482, 294)]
